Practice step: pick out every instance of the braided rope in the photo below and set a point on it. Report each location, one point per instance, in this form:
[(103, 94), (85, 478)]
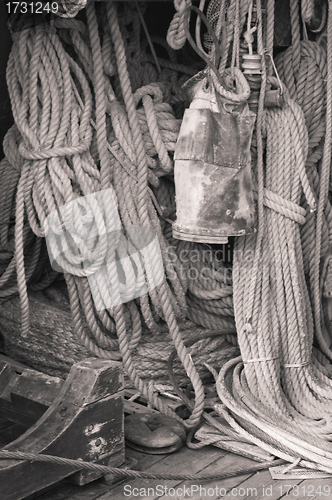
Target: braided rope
[(310, 82), (323, 192), (80, 464), (176, 34), (280, 389), (69, 154), (307, 10)]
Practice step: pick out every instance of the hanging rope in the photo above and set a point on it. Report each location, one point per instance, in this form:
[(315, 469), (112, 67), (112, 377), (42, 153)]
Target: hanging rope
[(85, 143), (278, 393), (176, 34), (90, 118)]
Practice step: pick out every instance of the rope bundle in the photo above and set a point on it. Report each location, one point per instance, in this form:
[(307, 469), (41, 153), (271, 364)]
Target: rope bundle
[(38, 271), (81, 130), (53, 346), (278, 393), (306, 79), (121, 136), (286, 393), (209, 282)]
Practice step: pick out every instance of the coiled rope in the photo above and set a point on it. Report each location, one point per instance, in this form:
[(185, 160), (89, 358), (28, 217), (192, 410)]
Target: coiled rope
[(76, 143), (278, 393)]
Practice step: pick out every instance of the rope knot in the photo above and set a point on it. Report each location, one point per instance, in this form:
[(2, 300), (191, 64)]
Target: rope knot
[(242, 89), (71, 24), (176, 34), (71, 8), (158, 138), (180, 5), (248, 36), (152, 90)]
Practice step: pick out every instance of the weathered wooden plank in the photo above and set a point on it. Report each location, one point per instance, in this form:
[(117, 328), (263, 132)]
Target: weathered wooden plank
[(92, 380), (131, 407), (145, 460), (37, 387), (185, 461), (67, 491), (16, 365), (22, 478), (9, 378), (6, 374), (24, 398), (216, 489), (140, 404), (261, 485), (18, 414), (85, 421), (9, 431), (308, 489)]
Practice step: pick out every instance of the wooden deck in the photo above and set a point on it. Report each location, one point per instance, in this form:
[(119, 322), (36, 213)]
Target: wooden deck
[(256, 486), (209, 459)]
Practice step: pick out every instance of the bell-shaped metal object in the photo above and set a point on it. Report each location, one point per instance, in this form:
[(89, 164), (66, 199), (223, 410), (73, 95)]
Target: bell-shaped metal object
[(213, 181)]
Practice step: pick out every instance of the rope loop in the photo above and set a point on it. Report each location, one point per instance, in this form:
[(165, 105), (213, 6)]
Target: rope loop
[(157, 128), (230, 77), (236, 77), (283, 206), (308, 10), (176, 34), (180, 6), (71, 24), (70, 8), (153, 90)]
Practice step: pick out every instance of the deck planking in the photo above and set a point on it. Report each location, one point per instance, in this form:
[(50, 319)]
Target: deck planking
[(255, 486), (184, 462)]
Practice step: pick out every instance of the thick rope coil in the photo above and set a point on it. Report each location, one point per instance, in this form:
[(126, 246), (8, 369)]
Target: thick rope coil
[(143, 216), (278, 394), (325, 173), (309, 85), (307, 10), (176, 34)]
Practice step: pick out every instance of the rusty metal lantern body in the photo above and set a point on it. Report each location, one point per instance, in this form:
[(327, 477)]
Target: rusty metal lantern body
[(213, 181)]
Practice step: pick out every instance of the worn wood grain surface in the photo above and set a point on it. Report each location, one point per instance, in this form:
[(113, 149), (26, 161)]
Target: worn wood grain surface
[(84, 421)]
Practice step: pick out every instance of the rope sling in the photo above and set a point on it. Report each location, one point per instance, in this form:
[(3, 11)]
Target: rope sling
[(72, 143), (69, 142)]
